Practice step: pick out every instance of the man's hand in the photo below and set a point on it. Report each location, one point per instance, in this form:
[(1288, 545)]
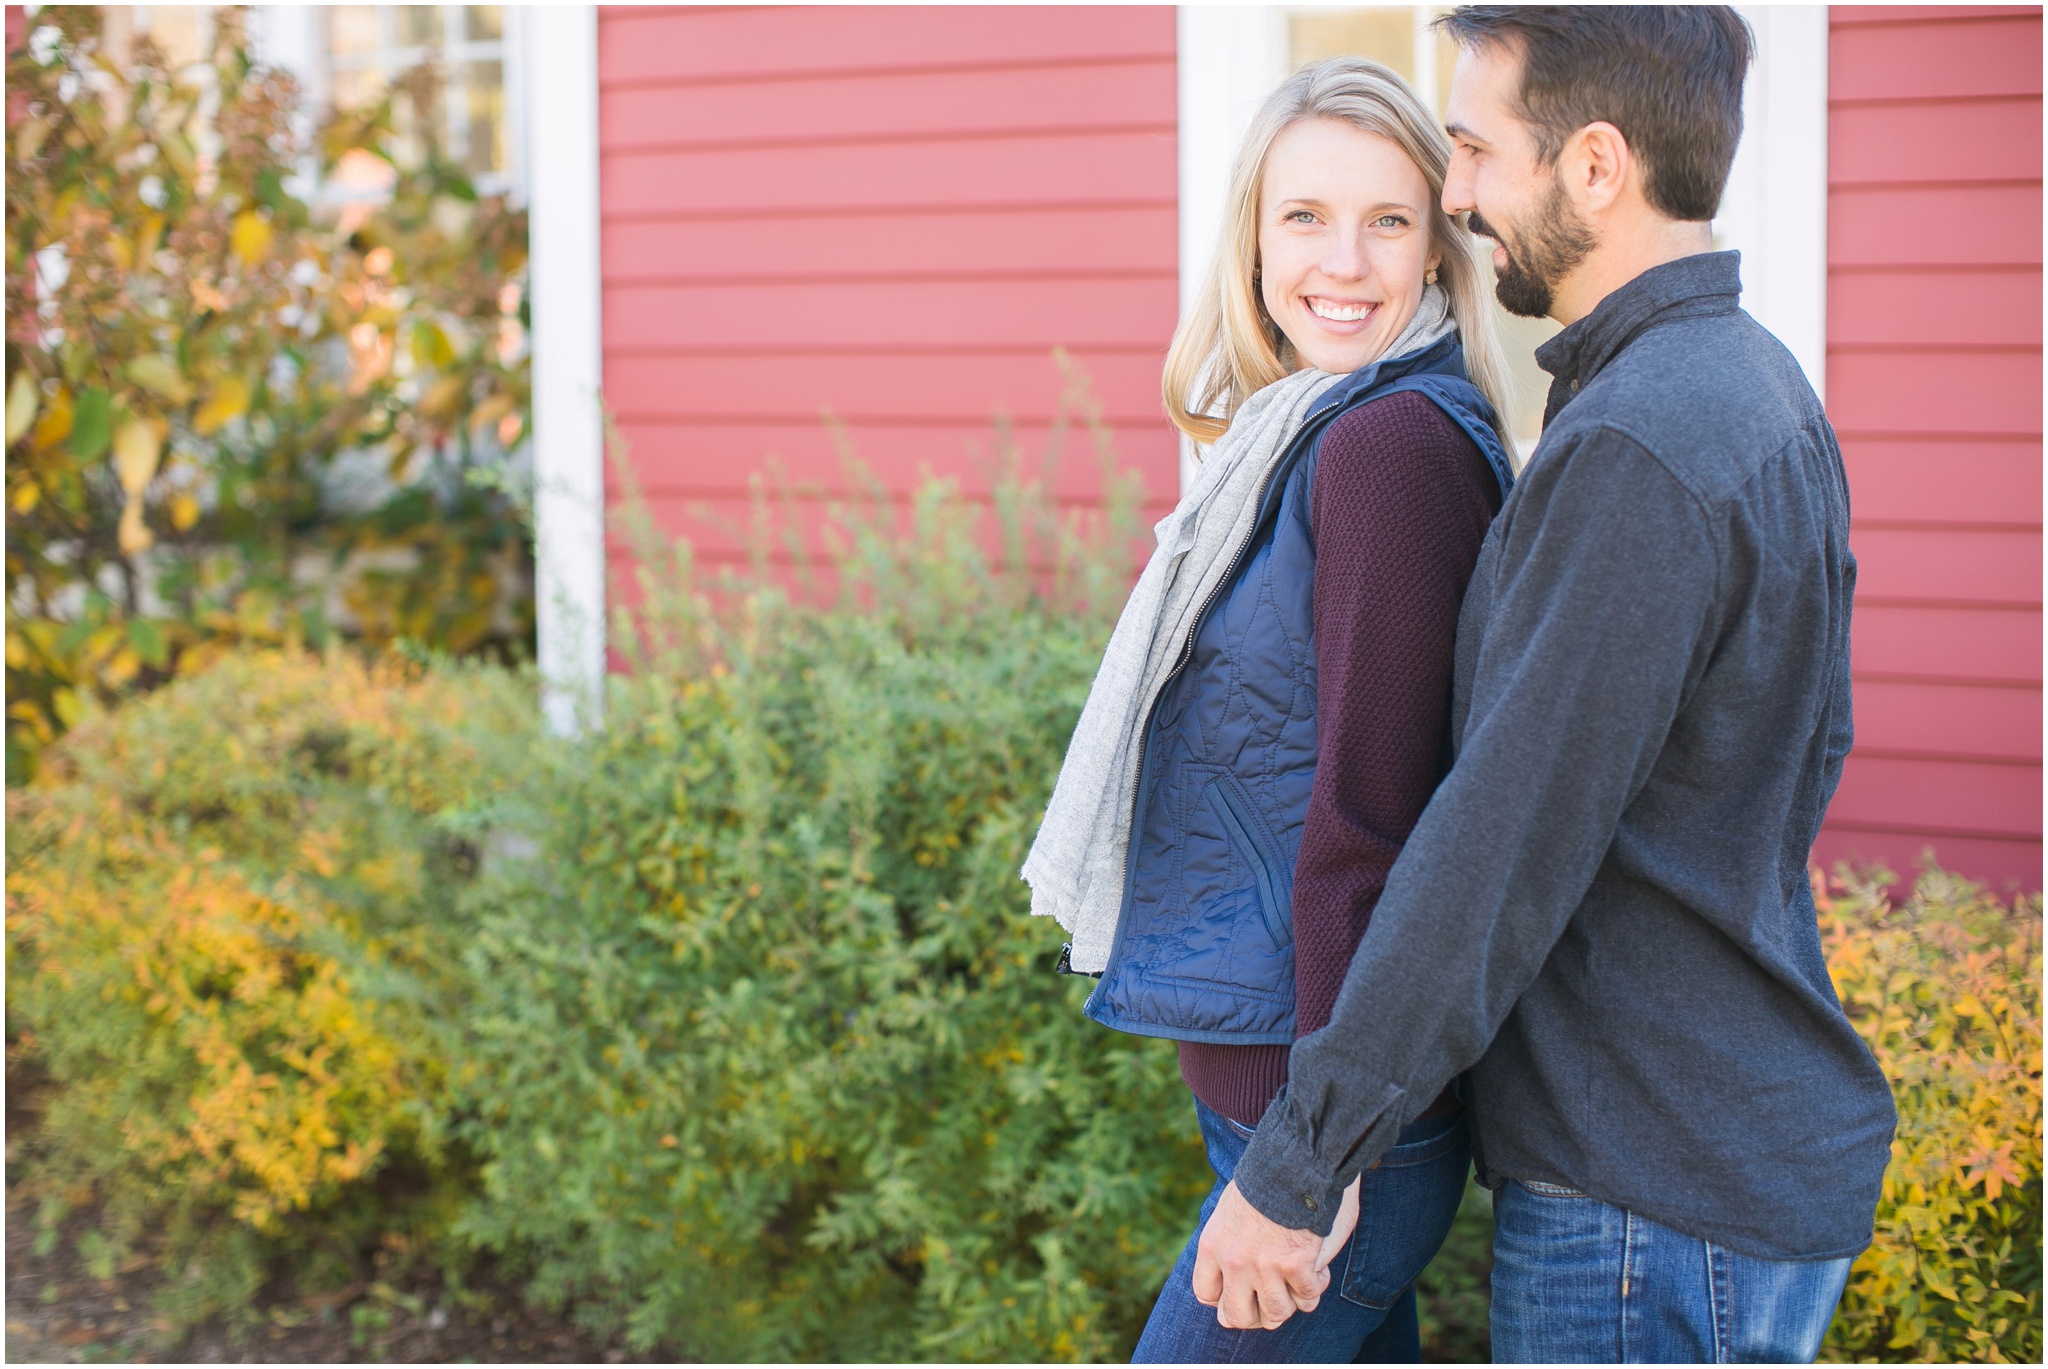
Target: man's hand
[(1255, 1272)]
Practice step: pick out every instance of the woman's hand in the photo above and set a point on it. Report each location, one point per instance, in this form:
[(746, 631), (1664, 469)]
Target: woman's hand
[(1255, 1272), (1347, 1222)]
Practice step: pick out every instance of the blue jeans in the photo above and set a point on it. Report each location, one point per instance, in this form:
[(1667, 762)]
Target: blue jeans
[(1579, 1281), (1367, 1315)]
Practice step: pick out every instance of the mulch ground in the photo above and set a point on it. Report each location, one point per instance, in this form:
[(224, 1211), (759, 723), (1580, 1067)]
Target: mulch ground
[(60, 1312)]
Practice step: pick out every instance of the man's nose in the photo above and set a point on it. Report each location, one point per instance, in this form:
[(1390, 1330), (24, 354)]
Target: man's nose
[(1457, 196)]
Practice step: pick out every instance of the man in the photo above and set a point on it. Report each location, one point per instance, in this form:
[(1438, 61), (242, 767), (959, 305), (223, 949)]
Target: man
[(1604, 913)]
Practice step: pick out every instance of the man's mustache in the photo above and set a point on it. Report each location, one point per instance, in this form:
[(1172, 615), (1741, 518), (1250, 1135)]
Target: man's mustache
[(1481, 226)]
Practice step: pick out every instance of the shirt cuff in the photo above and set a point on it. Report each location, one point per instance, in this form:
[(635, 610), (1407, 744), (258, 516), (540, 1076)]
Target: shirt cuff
[(1295, 1171)]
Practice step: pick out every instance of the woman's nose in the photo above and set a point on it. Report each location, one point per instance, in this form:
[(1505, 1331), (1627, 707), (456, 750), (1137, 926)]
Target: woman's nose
[(1347, 258)]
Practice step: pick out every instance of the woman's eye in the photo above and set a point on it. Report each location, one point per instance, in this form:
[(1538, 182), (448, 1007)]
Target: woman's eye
[(1301, 216), (1390, 221)]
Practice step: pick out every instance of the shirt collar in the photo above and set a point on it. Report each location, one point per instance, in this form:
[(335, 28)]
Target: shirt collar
[(1691, 287)]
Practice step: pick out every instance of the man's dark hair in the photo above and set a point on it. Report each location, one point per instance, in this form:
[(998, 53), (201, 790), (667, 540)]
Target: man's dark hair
[(1668, 76)]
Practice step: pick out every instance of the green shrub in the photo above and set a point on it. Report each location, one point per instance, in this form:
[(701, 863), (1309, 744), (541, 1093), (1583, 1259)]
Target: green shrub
[(1946, 988), (765, 1057)]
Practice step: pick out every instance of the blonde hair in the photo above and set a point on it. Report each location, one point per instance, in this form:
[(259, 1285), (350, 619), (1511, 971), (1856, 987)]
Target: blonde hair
[(1228, 347)]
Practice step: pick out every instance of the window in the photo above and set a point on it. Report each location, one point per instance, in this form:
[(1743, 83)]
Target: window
[(368, 45)]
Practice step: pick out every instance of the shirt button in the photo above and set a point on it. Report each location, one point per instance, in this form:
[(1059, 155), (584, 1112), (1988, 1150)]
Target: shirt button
[(1308, 1200), (1575, 386)]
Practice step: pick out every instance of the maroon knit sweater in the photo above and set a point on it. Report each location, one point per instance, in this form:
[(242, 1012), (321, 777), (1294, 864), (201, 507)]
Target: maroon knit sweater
[(1401, 501)]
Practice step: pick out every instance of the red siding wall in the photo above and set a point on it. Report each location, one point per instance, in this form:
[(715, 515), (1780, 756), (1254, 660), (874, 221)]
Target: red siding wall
[(891, 214), (1934, 384)]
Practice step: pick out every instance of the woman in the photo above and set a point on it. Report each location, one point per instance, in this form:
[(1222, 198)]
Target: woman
[(1273, 709)]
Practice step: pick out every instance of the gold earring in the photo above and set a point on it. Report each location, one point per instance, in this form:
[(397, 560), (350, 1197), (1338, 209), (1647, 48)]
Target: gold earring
[(1429, 276)]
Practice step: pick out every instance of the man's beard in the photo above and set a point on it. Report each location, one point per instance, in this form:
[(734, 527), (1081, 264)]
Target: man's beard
[(1544, 251)]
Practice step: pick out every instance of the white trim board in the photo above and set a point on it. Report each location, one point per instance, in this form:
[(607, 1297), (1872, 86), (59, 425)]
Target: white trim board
[(1230, 57), (568, 362), (1775, 209)]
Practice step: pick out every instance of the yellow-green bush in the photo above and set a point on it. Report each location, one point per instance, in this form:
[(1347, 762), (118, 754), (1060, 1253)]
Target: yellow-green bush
[(207, 893), (1946, 988)]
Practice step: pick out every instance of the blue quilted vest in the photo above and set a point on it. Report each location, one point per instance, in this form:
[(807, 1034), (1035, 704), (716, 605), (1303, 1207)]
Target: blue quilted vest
[(1204, 939)]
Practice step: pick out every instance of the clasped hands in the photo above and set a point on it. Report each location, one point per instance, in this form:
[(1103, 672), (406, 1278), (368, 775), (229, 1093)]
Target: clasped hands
[(1257, 1273)]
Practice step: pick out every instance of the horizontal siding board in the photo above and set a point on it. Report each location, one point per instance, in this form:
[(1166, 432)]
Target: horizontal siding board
[(853, 245), (950, 103), (1976, 566), (1939, 796), (2007, 867), (1903, 307), (1037, 314), (1995, 393), (1112, 168), (1929, 480), (1949, 720), (708, 456), (1947, 643), (1989, 140), (1922, 16), (723, 45), (725, 530), (1934, 225), (959, 388), (1920, 61)]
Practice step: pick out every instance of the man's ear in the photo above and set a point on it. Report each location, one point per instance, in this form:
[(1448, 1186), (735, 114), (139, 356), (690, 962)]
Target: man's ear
[(1599, 168)]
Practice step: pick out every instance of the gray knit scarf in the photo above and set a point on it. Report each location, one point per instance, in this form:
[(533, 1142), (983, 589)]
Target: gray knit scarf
[(1076, 865)]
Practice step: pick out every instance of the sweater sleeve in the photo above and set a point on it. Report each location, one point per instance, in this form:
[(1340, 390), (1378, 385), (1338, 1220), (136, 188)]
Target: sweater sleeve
[(1401, 502)]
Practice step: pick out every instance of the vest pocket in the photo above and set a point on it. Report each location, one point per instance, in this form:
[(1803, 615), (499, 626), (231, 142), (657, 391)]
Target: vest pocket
[(1247, 834)]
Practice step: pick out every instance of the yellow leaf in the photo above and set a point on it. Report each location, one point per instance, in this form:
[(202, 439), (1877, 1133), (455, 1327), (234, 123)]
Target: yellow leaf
[(230, 400), (431, 349), (160, 375), (137, 445), (27, 497), (147, 237), (250, 237), (55, 424), (23, 397), (442, 397), (133, 536), (121, 667), (184, 511)]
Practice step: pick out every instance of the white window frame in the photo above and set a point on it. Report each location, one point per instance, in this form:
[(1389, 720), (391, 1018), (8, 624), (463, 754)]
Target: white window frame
[(1774, 212), (295, 37)]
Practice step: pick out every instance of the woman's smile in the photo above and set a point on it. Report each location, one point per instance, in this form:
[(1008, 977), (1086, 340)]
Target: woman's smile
[(1344, 317)]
